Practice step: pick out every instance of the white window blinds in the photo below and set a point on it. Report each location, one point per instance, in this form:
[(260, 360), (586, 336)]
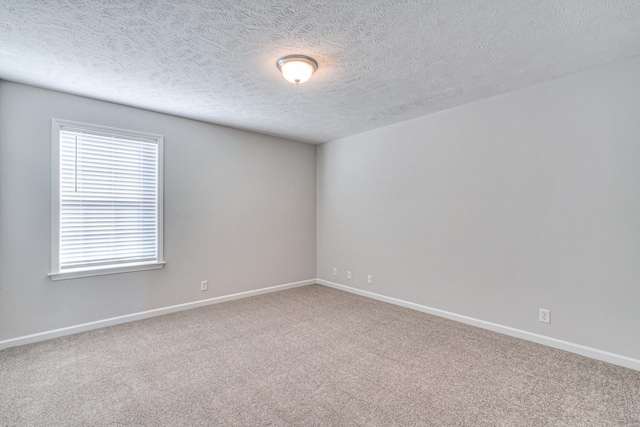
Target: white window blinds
[(108, 199)]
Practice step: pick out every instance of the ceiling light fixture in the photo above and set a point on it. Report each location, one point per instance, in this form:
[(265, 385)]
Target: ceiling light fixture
[(297, 68)]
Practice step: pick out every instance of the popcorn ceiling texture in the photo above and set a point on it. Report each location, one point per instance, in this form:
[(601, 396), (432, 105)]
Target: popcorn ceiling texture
[(380, 61)]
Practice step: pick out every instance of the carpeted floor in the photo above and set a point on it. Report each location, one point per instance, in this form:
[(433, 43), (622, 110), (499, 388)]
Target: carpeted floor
[(308, 356)]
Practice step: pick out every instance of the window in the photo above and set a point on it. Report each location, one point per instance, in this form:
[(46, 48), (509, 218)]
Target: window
[(107, 200)]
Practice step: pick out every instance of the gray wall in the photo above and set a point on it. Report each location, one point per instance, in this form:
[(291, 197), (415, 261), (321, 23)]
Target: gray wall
[(497, 208), (239, 212)]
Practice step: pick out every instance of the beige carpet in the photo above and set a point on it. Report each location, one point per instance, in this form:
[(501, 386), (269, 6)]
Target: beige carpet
[(308, 356)]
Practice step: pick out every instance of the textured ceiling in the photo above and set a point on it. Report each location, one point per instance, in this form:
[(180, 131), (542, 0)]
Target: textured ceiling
[(380, 61)]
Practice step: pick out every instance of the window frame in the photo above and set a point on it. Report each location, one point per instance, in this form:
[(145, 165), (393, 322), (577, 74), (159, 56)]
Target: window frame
[(55, 272)]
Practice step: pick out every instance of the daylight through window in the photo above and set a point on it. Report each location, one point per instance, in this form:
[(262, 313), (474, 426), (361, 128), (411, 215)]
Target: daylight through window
[(108, 203)]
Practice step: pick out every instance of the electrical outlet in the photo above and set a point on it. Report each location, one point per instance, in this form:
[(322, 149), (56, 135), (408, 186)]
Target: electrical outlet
[(545, 315), (204, 285), (335, 271), (369, 279), (349, 275)]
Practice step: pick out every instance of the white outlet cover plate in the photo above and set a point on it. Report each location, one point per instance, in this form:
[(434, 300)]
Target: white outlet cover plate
[(545, 315)]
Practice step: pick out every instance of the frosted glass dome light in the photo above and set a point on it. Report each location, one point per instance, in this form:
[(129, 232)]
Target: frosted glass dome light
[(297, 68)]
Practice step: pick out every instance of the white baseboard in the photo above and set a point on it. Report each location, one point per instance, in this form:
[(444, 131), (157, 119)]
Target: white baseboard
[(70, 330), (582, 350)]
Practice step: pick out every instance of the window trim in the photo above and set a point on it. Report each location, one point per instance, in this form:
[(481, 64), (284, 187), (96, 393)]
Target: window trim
[(55, 272)]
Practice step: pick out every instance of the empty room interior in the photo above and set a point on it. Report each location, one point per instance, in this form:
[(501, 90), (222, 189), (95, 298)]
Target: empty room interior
[(376, 213)]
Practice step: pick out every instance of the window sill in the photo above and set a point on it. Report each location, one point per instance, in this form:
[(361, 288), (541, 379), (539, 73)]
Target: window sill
[(127, 268)]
